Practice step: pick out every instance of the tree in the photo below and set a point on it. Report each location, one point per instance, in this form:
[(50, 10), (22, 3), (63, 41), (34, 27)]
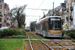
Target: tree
[(22, 19), (19, 15), (33, 25)]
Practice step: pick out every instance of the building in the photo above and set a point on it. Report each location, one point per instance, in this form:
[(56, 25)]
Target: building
[(56, 12), (2, 17), (69, 11), (7, 14)]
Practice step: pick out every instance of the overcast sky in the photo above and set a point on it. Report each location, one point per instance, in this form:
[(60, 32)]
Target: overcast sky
[(34, 15)]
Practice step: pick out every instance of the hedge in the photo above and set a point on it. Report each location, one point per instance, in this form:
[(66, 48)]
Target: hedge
[(11, 32), (70, 33), (17, 36), (63, 32)]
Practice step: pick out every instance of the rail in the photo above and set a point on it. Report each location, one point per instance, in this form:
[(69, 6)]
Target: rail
[(30, 42), (43, 42), (61, 45)]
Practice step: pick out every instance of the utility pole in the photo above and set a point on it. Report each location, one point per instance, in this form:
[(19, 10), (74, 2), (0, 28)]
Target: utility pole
[(69, 15), (39, 17), (53, 8)]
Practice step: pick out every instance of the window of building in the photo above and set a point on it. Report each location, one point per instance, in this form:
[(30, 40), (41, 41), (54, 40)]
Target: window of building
[(74, 0), (0, 25), (5, 21), (0, 19), (0, 6), (7, 18), (0, 1), (0, 16), (0, 13)]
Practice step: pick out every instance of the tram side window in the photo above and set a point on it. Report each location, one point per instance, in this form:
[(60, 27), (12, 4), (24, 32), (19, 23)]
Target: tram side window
[(38, 27), (50, 26), (43, 26), (46, 26)]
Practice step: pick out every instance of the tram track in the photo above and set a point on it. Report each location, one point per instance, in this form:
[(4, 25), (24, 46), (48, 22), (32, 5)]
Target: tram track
[(48, 45), (70, 47), (30, 42), (42, 44), (66, 44), (69, 42), (56, 46)]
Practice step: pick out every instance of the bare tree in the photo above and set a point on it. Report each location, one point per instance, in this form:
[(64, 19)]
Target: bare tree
[(22, 19), (17, 12)]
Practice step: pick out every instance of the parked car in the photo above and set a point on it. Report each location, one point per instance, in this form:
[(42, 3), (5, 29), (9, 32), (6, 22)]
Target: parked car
[(4, 28)]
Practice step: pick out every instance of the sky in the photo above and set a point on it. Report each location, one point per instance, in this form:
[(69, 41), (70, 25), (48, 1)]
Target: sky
[(34, 15)]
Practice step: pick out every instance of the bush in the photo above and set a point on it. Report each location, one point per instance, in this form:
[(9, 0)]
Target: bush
[(71, 33), (22, 26), (63, 32), (1, 33), (18, 36), (73, 40), (11, 32), (67, 32)]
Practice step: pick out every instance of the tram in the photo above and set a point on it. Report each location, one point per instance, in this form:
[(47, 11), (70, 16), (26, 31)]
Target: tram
[(50, 26)]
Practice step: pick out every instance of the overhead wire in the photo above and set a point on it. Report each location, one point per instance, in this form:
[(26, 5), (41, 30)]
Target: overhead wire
[(40, 6), (33, 5), (51, 4)]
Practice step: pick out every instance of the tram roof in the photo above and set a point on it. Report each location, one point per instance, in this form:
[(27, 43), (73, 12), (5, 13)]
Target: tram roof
[(46, 18)]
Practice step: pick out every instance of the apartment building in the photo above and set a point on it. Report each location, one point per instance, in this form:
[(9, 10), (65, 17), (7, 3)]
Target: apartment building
[(2, 13), (67, 13), (7, 15)]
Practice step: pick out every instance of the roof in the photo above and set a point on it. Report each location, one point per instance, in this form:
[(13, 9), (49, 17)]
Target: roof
[(47, 18)]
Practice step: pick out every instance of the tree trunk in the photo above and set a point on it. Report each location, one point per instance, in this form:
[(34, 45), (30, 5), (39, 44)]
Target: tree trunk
[(19, 25), (19, 22)]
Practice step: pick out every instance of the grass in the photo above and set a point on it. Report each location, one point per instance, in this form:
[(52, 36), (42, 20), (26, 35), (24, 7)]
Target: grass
[(73, 40), (41, 37), (11, 44), (32, 37), (66, 37), (59, 41), (33, 41)]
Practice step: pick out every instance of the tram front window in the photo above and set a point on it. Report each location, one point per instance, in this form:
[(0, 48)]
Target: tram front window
[(55, 25)]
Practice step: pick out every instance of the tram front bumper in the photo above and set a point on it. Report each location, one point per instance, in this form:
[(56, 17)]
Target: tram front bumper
[(54, 35)]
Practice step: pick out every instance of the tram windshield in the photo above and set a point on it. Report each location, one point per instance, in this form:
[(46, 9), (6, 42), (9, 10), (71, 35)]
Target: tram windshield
[(55, 25)]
